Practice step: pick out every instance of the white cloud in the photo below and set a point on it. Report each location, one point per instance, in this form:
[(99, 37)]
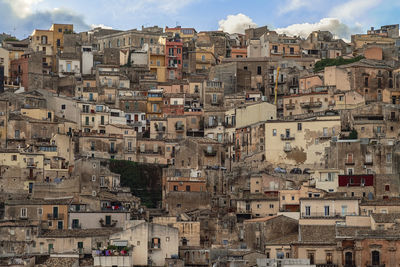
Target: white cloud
[(22, 8), (334, 25), (236, 23), (292, 5), (353, 9), (100, 26)]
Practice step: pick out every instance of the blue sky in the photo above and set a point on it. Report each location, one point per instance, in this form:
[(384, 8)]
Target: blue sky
[(343, 17)]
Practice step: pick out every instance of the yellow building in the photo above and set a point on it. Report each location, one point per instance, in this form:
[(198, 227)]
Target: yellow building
[(205, 58), (42, 41), (50, 42), (157, 60), (58, 35)]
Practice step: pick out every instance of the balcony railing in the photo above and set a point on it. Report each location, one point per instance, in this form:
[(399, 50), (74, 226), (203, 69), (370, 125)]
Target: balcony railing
[(327, 265), (52, 216), (211, 153), (330, 215), (31, 165), (112, 223), (287, 137), (287, 149), (289, 106), (113, 151), (349, 162), (160, 129), (179, 128), (311, 104)]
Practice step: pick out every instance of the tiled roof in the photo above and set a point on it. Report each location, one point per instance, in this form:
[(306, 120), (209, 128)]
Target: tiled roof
[(79, 232), (317, 234), (385, 217)]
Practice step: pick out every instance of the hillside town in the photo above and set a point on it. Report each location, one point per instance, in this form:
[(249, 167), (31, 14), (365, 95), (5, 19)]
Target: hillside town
[(177, 147)]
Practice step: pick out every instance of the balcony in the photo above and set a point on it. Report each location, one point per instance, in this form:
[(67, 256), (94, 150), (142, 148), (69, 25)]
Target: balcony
[(327, 265), (325, 136), (322, 215), (349, 162), (179, 128), (112, 151), (287, 149), (52, 216), (119, 260), (76, 226), (289, 106), (152, 152), (285, 137), (31, 165), (160, 129), (112, 223), (311, 104), (209, 153), (173, 66), (375, 265), (154, 246), (109, 101)]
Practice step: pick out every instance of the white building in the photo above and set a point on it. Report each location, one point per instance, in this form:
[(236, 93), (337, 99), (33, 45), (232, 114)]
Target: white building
[(152, 243)]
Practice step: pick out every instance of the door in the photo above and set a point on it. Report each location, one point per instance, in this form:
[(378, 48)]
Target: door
[(60, 225), (136, 117), (375, 257), (30, 184), (55, 212), (51, 248), (348, 258)]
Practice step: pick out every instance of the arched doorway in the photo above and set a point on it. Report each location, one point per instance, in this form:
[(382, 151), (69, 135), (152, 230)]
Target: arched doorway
[(375, 257), (348, 259)]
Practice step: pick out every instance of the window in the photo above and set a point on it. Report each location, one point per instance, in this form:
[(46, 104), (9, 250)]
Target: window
[(203, 58), (311, 257), (188, 188), (325, 131), (16, 134), (368, 158), (387, 188), (214, 98), (350, 171), (349, 158), (40, 211), (175, 188), (308, 210), (379, 83), (283, 197), (155, 243), (299, 126), (258, 70), (344, 210), (108, 219), (326, 209), (273, 132), (75, 224), (23, 213), (292, 197), (366, 81), (271, 206), (389, 158), (14, 157), (329, 258)]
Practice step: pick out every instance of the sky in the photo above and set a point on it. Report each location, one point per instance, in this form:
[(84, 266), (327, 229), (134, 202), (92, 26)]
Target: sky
[(293, 17)]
